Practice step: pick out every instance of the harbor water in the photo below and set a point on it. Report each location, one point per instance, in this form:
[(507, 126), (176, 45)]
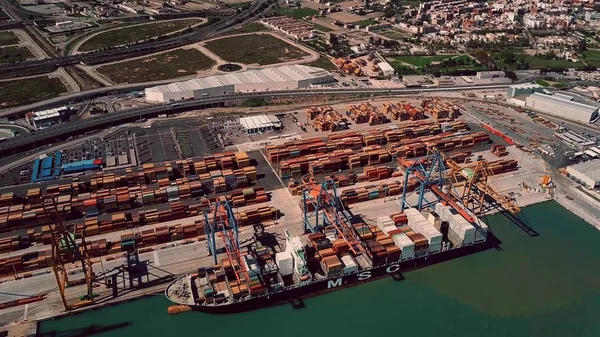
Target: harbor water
[(544, 285)]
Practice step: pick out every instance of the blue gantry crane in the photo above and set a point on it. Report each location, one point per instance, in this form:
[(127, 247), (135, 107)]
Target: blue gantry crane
[(219, 219), (327, 209), (429, 173)]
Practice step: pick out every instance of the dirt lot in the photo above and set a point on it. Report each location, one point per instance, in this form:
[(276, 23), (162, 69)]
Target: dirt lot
[(136, 33), (262, 49), (22, 92), (173, 64)]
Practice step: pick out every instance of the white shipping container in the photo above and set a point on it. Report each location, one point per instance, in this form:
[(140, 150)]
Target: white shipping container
[(285, 263), (435, 248), (349, 265), (404, 242), (384, 221), (387, 229)]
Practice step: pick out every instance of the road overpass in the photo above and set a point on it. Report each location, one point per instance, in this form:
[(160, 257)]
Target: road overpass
[(63, 131), (120, 53)]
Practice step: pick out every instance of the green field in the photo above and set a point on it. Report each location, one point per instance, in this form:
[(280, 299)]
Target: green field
[(262, 49), (548, 82), (296, 13), (420, 61), (322, 62), (592, 57), (14, 54), (365, 23), (537, 63), (136, 33), (26, 91), (253, 27), (322, 28), (7, 38), (173, 64)]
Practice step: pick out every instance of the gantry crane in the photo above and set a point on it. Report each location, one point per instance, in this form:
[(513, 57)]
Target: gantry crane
[(66, 250), (224, 224), (430, 173), (475, 185), (329, 208)]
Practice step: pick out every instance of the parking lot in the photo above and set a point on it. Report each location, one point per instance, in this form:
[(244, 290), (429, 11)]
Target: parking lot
[(116, 144), (178, 138)]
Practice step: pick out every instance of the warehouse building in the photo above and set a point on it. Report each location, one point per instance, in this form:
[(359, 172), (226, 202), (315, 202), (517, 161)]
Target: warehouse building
[(46, 118), (524, 89), (279, 78), (562, 106), (588, 173), (260, 124), (386, 68)]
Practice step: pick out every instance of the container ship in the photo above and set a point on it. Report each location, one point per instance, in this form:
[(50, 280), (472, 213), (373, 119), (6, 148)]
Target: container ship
[(346, 254)]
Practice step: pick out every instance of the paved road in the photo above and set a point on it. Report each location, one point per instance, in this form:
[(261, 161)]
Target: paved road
[(72, 128)]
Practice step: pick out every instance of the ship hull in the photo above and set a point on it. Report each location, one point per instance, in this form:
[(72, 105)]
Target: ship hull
[(295, 296)]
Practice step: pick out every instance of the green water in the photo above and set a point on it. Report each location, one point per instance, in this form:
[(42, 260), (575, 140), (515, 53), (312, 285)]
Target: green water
[(547, 285)]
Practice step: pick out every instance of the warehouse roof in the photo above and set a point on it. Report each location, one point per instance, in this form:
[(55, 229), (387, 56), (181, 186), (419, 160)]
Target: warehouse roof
[(384, 66), (553, 99), (261, 121), (525, 86), (50, 113), (267, 75), (591, 169)]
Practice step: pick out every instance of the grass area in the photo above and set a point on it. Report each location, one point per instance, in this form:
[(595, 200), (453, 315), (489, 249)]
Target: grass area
[(394, 34), (420, 61), (14, 54), (136, 33), (542, 82), (253, 27), (549, 82), (592, 57), (322, 28), (365, 23), (26, 91), (537, 63), (296, 13), (322, 62), (262, 49), (173, 64), (8, 38)]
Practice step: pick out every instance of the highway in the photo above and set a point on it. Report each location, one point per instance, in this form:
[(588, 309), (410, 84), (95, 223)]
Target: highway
[(69, 129), (114, 54)]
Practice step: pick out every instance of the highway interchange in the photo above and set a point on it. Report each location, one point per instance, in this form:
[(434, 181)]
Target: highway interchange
[(113, 54)]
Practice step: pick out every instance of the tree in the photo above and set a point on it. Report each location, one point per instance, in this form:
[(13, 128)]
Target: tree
[(484, 58), (511, 75), (582, 46)]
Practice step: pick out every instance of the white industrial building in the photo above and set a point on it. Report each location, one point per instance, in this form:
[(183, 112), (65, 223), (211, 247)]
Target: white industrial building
[(524, 89), (45, 118), (277, 78), (562, 106), (260, 124), (588, 173), (386, 68), (575, 140)]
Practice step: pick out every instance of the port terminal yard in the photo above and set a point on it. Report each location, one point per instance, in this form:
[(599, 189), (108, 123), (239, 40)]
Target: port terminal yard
[(181, 256)]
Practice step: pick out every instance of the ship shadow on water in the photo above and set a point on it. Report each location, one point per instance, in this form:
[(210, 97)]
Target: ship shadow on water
[(89, 330), (297, 303), (518, 219)]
